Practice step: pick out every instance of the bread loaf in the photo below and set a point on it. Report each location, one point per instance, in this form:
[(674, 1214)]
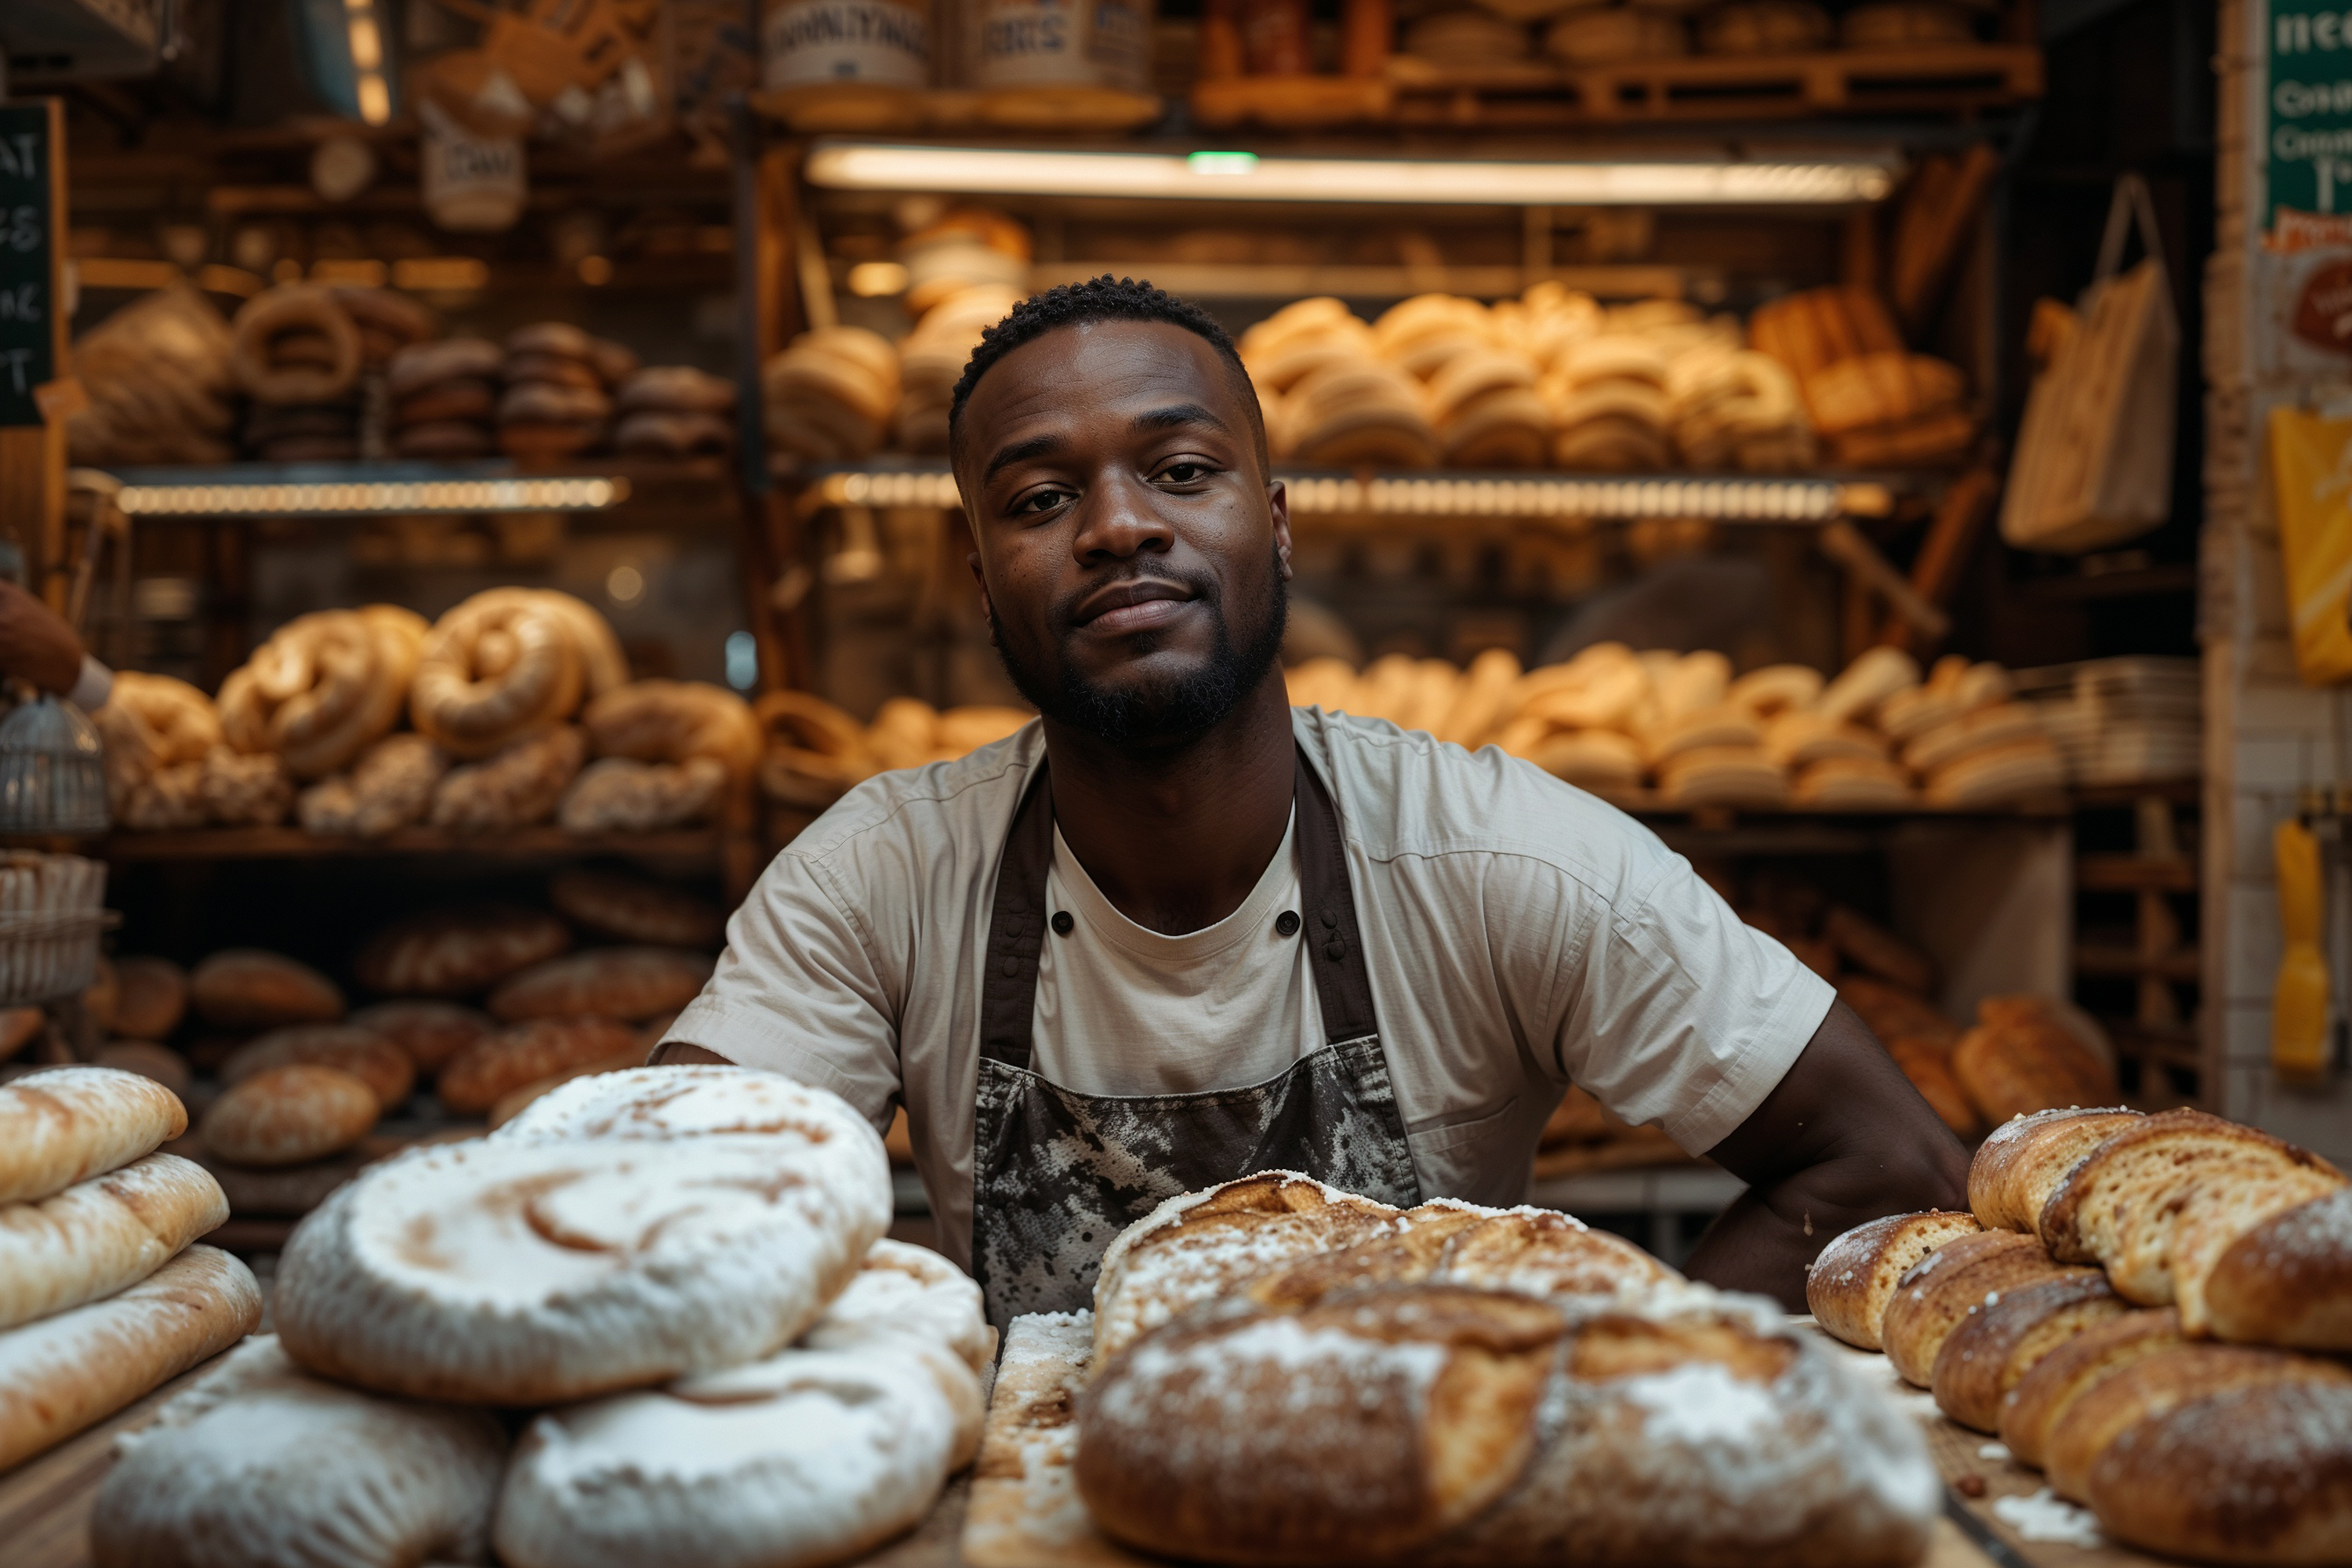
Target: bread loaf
[(2074, 1366), (497, 1064), (2153, 1384), (2286, 1281), (67, 1124), (2012, 1072), (1947, 1286), (246, 988), (632, 909), (161, 1063), (1432, 1424), (2025, 1158), (430, 1032), (261, 1464), (63, 1373), (604, 982), (1984, 1358), (1894, 1012), (370, 1058), (101, 1235), (150, 998), (287, 1115), (1928, 1065), (1849, 1285), (457, 952), (2255, 1475), (1533, 1252), (908, 1291)]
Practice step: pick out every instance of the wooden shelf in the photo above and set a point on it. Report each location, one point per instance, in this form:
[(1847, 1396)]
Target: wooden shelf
[(2116, 960), (703, 844), (2135, 874)]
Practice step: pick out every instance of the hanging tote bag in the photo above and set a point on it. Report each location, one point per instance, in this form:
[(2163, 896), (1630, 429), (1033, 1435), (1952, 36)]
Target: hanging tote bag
[(2094, 454)]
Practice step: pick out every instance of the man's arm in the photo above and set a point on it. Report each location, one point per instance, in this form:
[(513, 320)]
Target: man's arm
[(1844, 1138), (678, 1054)]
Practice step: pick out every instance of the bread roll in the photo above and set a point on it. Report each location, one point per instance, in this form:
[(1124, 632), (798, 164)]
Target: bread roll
[(370, 1058), (2025, 1158), (457, 952), (67, 1124), (246, 988), (560, 1270), (604, 982), (98, 1235), (634, 908), (150, 998), (430, 1032), (1986, 1356), (2287, 1281), (1849, 1285), (2254, 1475), (261, 1464), (61, 1373), (497, 1064), (1438, 1425), (2156, 1383), (2074, 1367), (1948, 1285), (287, 1115)]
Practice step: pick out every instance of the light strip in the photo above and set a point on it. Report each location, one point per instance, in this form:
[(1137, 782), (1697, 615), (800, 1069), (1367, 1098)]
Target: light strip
[(1787, 182), (1731, 499), (352, 498)]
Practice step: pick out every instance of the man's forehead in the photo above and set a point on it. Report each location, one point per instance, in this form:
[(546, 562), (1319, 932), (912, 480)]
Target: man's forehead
[(1098, 365)]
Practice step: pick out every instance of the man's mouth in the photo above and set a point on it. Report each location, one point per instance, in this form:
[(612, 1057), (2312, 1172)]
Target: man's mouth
[(1139, 605)]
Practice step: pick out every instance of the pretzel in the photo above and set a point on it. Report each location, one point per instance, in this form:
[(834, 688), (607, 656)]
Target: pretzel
[(675, 721), (324, 688), (150, 723), (294, 308)]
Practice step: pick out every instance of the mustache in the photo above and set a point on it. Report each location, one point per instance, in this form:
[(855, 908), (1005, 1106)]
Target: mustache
[(1200, 584)]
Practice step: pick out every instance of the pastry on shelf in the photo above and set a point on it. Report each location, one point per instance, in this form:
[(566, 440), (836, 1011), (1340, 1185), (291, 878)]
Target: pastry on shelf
[(831, 393)]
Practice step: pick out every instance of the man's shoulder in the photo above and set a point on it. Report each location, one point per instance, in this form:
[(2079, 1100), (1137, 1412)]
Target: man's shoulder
[(941, 805)]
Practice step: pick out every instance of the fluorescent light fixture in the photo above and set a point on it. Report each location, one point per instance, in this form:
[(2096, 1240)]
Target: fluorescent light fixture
[(358, 498), (1831, 180)]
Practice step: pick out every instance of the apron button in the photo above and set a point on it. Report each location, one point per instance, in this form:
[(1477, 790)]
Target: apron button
[(1009, 968), (1334, 950), (1331, 920), (1063, 923), (1286, 923)]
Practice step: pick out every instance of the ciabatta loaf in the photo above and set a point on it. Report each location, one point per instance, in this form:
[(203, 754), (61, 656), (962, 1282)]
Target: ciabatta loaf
[(1991, 1353), (2256, 1475), (2288, 1280), (2024, 1159), (2154, 1385), (69, 1124), (61, 1373), (101, 1235), (1947, 1286), (1851, 1282), (1430, 1424), (2072, 1369), (287, 1115), (262, 1464)]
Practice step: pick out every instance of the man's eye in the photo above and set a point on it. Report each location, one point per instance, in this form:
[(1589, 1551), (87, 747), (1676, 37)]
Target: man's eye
[(1184, 473), (1040, 500)]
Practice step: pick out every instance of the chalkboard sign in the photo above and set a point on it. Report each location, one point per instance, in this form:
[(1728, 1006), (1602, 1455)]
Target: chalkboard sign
[(28, 241)]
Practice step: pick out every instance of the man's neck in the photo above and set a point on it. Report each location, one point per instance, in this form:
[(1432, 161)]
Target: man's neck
[(1177, 839)]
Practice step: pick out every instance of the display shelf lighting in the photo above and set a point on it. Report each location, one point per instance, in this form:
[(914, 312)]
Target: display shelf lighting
[(1828, 180), (359, 497)]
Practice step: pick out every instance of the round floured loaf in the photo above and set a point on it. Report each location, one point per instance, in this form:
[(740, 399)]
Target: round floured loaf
[(912, 1291), (1438, 1425), (2255, 1475), (1852, 1282), (69, 1124), (97, 1236), (806, 1457), (264, 1467), (550, 1265)]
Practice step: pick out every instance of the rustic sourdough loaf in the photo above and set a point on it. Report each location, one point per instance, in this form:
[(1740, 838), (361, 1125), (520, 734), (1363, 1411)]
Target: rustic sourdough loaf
[(1986, 1356), (60, 1374), (100, 1236), (150, 998), (246, 988), (2154, 1385), (629, 983), (458, 953), (430, 1031), (1849, 1285), (262, 1464), (2052, 1384), (632, 909), (2022, 1161), (1534, 1252), (1946, 1286), (376, 1061), (67, 1124), (2288, 1280), (500, 1063), (2255, 1475), (287, 1115)]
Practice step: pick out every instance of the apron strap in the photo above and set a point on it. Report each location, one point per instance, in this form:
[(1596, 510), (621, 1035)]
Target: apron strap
[(1016, 932), (1343, 984)]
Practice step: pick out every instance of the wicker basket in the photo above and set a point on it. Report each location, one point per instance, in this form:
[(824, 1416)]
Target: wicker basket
[(51, 916)]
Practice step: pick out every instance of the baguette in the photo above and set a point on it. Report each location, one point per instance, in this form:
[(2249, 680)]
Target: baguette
[(2154, 1385), (2255, 1475), (59, 1376), (2287, 1281), (2025, 1158), (1986, 1356), (1946, 1286), (69, 1124), (1849, 1285), (2052, 1384), (101, 1235)]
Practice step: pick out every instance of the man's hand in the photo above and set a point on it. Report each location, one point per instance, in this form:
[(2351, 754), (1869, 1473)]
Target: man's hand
[(1844, 1138), (35, 645)]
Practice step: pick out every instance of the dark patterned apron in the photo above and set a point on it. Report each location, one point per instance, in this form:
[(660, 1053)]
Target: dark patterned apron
[(1055, 1175)]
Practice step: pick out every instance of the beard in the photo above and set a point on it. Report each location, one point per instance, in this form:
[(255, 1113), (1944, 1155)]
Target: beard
[(1154, 715)]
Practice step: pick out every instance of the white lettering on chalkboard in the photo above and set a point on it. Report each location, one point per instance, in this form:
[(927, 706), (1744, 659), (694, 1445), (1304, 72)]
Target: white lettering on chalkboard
[(20, 156), (12, 368), (20, 228), (21, 303)]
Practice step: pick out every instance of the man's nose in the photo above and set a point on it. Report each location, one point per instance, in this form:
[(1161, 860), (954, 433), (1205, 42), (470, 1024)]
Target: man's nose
[(1117, 520)]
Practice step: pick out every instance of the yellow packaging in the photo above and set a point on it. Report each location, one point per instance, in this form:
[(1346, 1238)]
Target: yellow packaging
[(2311, 475)]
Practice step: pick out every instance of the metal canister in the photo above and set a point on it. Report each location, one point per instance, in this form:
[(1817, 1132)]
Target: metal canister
[(1062, 43), (877, 43)]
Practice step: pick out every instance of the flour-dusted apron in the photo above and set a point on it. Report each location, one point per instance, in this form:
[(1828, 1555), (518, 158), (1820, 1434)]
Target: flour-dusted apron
[(1056, 1175)]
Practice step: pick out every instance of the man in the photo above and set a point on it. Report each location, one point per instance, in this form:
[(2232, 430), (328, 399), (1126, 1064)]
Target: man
[(1178, 932)]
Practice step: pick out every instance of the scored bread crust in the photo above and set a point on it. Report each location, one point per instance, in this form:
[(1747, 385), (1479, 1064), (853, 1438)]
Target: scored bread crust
[(629, 983), (248, 988), (631, 909), (287, 1115), (431, 1032), (2053, 1383), (2024, 1159), (2254, 1475), (2155, 1384), (497, 1064), (376, 1061), (1991, 1352), (100, 1236), (1849, 1285), (260, 1463), (456, 953), (67, 1124), (63, 1373), (2288, 1280), (1945, 1287)]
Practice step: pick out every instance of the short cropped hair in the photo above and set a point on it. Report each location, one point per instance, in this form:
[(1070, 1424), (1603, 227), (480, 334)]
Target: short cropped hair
[(1103, 298)]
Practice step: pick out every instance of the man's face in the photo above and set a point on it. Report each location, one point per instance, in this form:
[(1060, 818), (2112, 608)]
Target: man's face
[(1132, 554)]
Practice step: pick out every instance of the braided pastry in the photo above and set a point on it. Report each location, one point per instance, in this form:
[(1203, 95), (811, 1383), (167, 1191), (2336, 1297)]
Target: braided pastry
[(150, 723), (324, 688), (306, 310), (675, 721), (510, 662), (518, 786)]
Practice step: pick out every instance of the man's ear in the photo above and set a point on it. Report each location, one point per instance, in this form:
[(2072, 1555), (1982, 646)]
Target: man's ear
[(1278, 503), (987, 610)]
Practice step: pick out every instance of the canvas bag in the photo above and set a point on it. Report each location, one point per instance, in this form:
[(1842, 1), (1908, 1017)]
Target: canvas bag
[(2094, 453)]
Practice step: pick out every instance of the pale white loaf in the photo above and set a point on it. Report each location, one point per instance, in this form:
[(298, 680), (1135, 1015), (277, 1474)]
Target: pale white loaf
[(59, 1376), (912, 1301), (67, 1124), (260, 1465), (101, 1234)]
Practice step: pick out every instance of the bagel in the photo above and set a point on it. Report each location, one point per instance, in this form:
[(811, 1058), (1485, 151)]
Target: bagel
[(289, 308), (421, 365), (324, 688), (675, 721)]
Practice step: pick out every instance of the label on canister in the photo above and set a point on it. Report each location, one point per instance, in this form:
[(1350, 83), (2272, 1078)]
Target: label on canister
[(469, 183), (879, 42), (1063, 43)]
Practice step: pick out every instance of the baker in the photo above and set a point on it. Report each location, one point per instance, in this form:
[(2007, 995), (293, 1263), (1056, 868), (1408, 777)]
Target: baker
[(1178, 930)]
